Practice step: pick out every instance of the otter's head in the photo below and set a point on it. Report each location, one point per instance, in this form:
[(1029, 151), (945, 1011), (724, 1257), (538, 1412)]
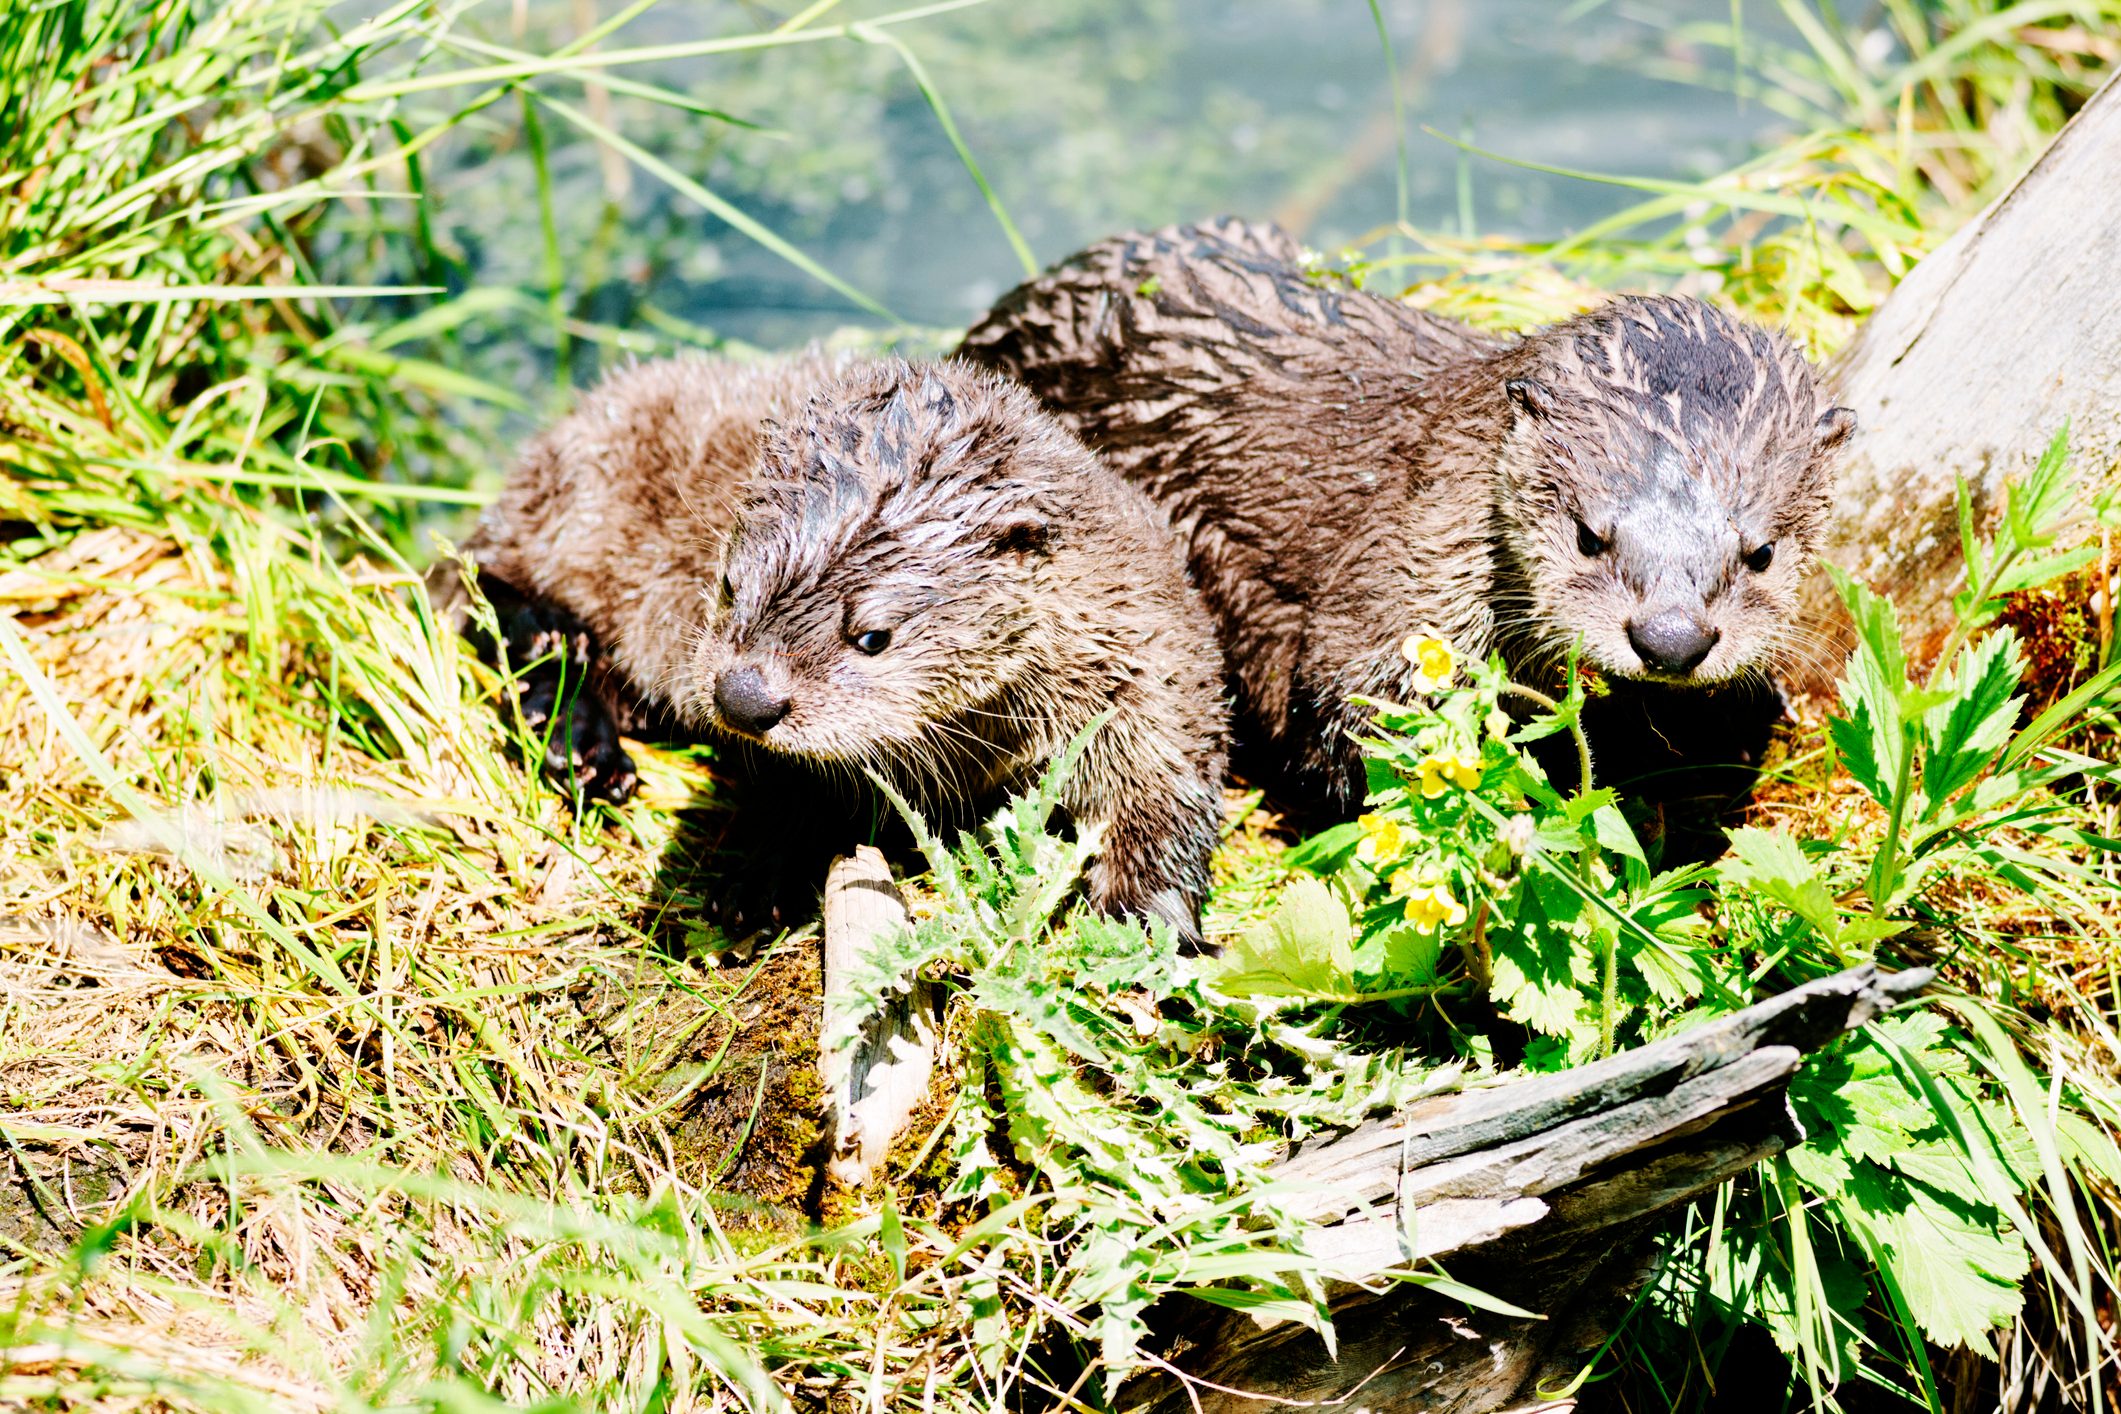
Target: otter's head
[(1663, 486), (878, 586)]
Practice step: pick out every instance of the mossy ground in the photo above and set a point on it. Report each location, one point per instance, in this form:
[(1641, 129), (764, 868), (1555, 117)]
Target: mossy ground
[(342, 1065)]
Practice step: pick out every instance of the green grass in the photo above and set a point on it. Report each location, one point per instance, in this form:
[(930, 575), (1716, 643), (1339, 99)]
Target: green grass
[(345, 1067)]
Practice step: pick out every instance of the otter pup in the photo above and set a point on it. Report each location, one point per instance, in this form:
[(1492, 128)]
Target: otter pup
[(837, 565), (1648, 480)]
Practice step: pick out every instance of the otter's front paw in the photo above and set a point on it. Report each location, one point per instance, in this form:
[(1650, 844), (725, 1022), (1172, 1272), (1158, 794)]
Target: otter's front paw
[(555, 654), (761, 900), (582, 752)]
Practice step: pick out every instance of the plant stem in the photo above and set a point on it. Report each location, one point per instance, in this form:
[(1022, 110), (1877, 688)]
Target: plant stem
[(1963, 629), (1609, 983), (1885, 868), (1474, 948), (1583, 743), (1608, 993)]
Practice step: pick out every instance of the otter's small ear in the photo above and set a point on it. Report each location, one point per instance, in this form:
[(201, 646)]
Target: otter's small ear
[(1024, 535), (1835, 426), (1531, 395)]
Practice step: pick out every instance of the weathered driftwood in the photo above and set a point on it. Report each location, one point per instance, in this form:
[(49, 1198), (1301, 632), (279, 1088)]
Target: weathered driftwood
[(873, 1087), (1534, 1191), (1967, 369)]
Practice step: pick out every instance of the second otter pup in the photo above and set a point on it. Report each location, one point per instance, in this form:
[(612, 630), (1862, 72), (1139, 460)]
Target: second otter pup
[(910, 568), (1648, 480)]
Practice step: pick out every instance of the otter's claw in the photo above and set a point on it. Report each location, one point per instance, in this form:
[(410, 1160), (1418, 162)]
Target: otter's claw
[(554, 698), (586, 754)]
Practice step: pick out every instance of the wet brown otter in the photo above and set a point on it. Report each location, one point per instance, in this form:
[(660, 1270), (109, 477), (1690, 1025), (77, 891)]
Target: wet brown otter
[(909, 568), (1647, 480)]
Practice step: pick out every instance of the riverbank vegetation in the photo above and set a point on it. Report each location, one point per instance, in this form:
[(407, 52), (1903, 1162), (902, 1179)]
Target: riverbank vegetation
[(346, 1066)]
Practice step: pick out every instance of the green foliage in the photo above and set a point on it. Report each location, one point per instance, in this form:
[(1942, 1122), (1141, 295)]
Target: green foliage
[(430, 1076), (1103, 1097), (1470, 875), (1914, 1157)]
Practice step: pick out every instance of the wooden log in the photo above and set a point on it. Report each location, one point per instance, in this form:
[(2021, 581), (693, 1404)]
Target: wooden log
[(873, 1086), (1967, 369), (1536, 1190)]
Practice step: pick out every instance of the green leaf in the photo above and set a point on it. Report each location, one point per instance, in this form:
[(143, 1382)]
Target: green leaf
[(1750, 1273), (1327, 851), (1304, 949), (1957, 1266), (1616, 835), (2033, 506), (1861, 748), (1674, 973), (1542, 970), (891, 1236), (1877, 629), (1970, 548), (2058, 718), (1967, 733), (1409, 955), (1875, 694), (2033, 572), (1771, 864)]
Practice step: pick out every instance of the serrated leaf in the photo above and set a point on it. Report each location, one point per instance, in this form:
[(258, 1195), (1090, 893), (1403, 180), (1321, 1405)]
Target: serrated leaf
[(1820, 1165), (1957, 1266), (1674, 974), (1863, 932), (1771, 864), (2032, 505), (1546, 724), (1305, 948), (1411, 955), (1587, 803), (1547, 1006), (1877, 628), (1856, 744), (1541, 969), (1615, 834), (1970, 731), (1867, 732)]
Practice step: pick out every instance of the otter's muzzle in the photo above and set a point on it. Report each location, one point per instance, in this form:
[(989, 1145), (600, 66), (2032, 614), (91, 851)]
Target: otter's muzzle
[(1672, 642), (746, 703)]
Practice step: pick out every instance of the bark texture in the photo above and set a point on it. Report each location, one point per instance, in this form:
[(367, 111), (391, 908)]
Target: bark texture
[(1536, 1191), (2003, 333), (874, 1084)]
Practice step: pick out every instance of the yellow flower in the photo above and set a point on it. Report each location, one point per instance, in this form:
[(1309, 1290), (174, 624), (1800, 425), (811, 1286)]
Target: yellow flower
[(1444, 769), (1382, 839), (1430, 905), (1431, 657)]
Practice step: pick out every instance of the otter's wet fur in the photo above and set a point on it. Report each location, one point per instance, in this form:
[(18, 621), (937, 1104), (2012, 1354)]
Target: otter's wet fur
[(1649, 479), (847, 564)]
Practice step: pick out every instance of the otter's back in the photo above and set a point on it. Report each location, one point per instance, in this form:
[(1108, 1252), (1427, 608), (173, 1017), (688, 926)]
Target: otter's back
[(1264, 412)]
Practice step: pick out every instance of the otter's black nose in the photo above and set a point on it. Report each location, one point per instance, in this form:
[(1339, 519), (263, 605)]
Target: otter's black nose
[(1672, 642), (746, 703)]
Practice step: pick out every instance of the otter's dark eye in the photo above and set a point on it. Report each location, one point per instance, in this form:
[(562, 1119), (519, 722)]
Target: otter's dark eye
[(1588, 542), (1758, 560), (873, 642)]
